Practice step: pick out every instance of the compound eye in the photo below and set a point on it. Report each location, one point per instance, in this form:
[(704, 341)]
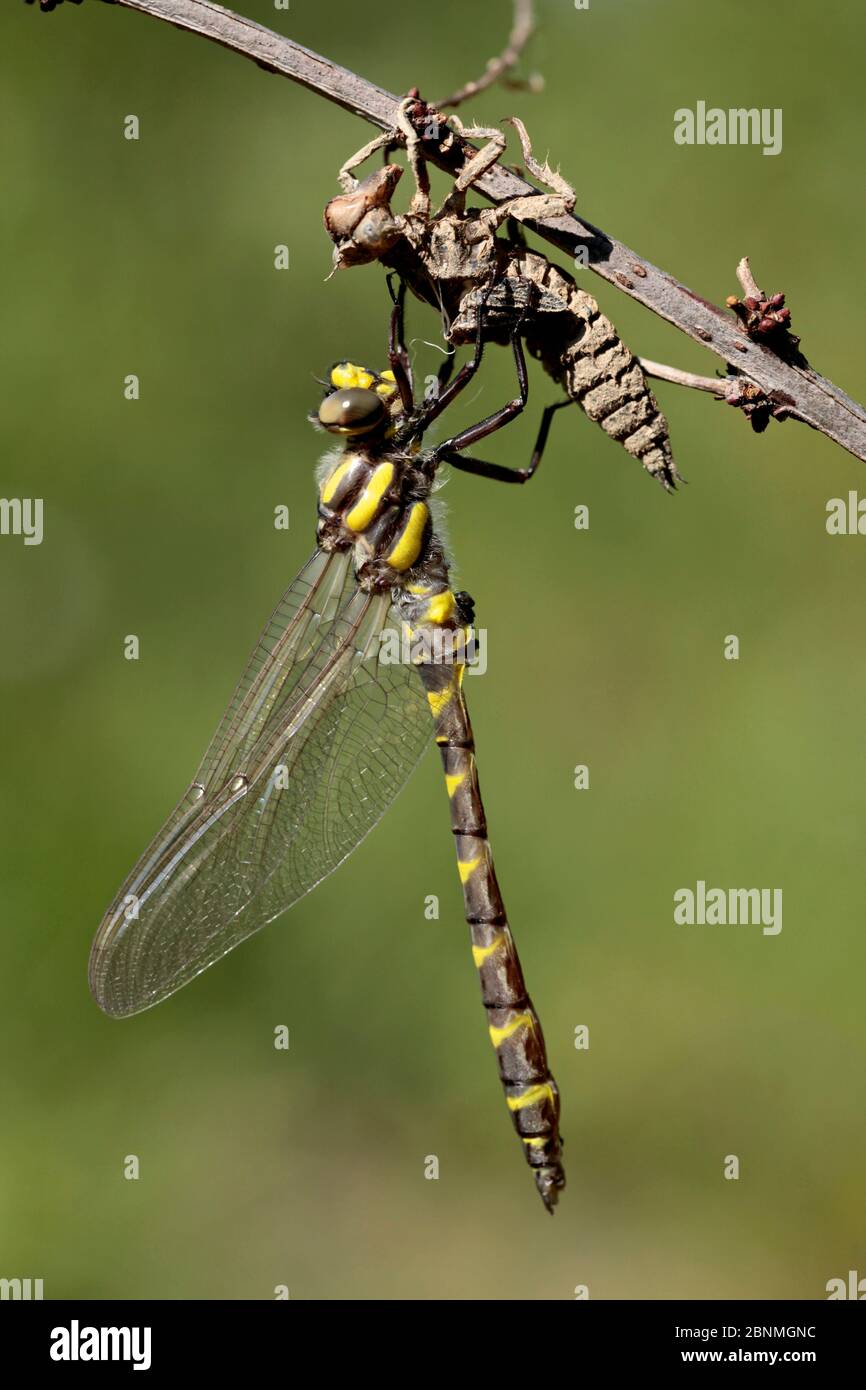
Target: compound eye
[(353, 411)]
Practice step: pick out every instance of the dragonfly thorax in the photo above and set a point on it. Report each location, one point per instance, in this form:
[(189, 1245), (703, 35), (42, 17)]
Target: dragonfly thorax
[(373, 500)]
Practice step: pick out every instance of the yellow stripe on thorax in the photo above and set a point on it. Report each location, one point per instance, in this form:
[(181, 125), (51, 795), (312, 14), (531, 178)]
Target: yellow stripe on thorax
[(330, 485), (367, 505), (408, 547)]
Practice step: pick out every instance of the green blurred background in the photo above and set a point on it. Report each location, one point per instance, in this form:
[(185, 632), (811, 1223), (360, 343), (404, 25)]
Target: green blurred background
[(305, 1168)]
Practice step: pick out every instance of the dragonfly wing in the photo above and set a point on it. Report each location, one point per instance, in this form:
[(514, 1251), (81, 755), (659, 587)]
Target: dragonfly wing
[(304, 614), (357, 755), (320, 736)]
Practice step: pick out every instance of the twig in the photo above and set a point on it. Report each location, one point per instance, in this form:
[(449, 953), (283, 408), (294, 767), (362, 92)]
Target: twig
[(747, 279), (713, 384), (521, 32), (814, 400), (757, 407)]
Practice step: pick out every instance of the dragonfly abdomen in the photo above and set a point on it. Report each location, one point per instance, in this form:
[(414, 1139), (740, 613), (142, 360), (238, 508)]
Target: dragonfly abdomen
[(530, 1091)]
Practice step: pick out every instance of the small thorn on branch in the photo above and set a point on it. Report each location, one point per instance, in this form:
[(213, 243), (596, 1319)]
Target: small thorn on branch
[(764, 317)]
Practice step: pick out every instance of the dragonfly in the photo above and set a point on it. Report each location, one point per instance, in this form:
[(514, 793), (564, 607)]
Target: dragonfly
[(454, 260), (329, 719)]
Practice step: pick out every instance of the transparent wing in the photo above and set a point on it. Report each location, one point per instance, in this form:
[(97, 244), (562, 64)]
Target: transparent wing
[(320, 735)]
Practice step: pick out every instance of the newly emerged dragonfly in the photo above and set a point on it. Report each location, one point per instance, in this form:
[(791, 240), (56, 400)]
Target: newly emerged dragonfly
[(326, 726)]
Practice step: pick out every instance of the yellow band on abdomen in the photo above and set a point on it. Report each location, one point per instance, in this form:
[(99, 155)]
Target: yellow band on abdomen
[(480, 954), (499, 1035), (533, 1096), (467, 867), (440, 608)]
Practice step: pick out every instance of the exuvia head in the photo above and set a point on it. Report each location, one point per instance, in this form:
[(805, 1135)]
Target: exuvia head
[(361, 223), (360, 402)]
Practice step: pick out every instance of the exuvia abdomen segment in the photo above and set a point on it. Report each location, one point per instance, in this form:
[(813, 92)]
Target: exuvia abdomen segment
[(582, 350)]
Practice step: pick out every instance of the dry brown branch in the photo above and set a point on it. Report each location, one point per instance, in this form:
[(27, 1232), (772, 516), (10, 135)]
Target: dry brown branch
[(806, 395), (522, 29)]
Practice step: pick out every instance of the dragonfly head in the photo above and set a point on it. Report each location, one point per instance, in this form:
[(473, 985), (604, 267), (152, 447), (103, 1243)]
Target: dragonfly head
[(358, 401)]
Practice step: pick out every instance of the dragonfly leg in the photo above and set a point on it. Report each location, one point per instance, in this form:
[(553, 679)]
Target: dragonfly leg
[(500, 417), (443, 376), (446, 390), (438, 383), (497, 472), (397, 354), (445, 395)]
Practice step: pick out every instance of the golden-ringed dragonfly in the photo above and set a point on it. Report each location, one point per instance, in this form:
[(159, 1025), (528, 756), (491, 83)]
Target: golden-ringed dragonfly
[(325, 727)]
